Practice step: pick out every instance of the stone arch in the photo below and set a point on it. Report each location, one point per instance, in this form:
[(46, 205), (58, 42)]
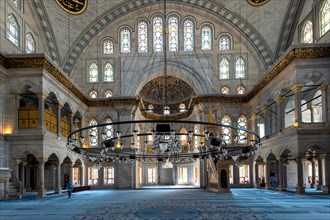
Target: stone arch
[(237, 22)]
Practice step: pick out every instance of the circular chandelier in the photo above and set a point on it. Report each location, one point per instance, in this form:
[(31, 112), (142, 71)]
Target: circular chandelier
[(164, 144)]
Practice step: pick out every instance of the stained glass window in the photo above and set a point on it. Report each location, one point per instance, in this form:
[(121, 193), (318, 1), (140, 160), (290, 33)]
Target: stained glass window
[(224, 69), (308, 32), (150, 108), (173, 36), (108, 128), (93, 75), (240, 69), (188, 31), (225, 90), (240, 90), (158, 34), (108, 93), (93, 94), (93, 134), (108, 72), (142, 37), (30, 44), (225, 42), (13, 30), (125, 37), (107, 47), (242, 123), (182, 107), (325, 17), (226, 120), (206, 38)]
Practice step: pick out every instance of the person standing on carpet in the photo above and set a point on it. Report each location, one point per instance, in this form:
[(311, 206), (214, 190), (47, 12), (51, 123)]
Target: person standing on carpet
[(70, 189)]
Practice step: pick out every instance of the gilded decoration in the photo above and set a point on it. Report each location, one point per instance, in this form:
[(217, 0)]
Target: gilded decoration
[(74, 7), (169, 90), (257, 2)]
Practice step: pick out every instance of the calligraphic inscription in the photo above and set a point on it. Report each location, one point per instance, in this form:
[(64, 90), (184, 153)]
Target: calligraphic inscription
[(257, 2), (73, 6)]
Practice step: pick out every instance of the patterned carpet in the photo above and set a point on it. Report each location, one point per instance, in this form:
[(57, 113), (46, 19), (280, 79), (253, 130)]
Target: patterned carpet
[(169, 209)]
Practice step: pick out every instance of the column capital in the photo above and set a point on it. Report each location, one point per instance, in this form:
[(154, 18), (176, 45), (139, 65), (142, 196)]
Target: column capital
[(265, 108), (42, 160), (279, 99), (297, 88), (42, 95)]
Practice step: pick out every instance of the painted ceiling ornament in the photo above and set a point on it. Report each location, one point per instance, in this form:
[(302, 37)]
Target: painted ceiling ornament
[(74, 7), (257, 2)]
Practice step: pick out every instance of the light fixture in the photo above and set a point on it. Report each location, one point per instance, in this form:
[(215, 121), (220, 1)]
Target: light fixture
[(135, 133), (118, 134)]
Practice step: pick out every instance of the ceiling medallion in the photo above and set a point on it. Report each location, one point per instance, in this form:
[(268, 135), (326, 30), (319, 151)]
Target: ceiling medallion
[(257, 2), (74, 7)]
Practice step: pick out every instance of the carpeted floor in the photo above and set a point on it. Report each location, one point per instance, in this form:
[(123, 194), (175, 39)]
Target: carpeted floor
[(169, 209)]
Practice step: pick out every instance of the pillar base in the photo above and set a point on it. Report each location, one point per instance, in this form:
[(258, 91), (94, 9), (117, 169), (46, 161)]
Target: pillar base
[(41, 193), (326, 189), (300, 189), (281, 188), (319, 187), (58, 190)]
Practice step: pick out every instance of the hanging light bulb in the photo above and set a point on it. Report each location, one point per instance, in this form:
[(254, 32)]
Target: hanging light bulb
[(135, 133), (104, 136), (82, 139), (235, 138), (153, 133), (190, 134), (118, 134), (206, 135), (172, 133), (145, 143), (252, 142)]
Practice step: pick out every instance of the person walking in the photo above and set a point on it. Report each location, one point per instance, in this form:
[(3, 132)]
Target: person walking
[(273, 182), (70, 189)]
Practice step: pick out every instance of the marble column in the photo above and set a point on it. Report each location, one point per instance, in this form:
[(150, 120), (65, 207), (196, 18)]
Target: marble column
[(313, 174), (58, 188), (279, 111), (320, 183), (267, 176), (41, 106), (41, 185), (300, 188), (16, 108), (326, 172), (325, 112), (281, 184), (28, 178), (58, 108), (23, 176), (256, 179), (297, 104), (71, 174)]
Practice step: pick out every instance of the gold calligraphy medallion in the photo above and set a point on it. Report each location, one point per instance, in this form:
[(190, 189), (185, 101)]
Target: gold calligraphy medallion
[(74, 7), (257, 2)]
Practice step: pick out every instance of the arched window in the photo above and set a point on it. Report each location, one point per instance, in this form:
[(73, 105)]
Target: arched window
[(108, 73), (30, 44), (226, 120), (242, 123), (224, 68), (225, 90), (206, 37), (142, 37), (151, 108), (307, 32), (167, 110), (306, 115), (12, 30), (93, 134), (188, 32), (107, 46), (240, 90), (240, 69), (125, 40), (225, 42), (93, 94), (158, 34), (317, 107), (108, 128), (173, 34), (108, 93), (289, 113), (182, 107), (93, 74), (325, 17)]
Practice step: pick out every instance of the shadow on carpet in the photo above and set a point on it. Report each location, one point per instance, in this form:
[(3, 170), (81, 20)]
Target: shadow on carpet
[(170, 209)]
